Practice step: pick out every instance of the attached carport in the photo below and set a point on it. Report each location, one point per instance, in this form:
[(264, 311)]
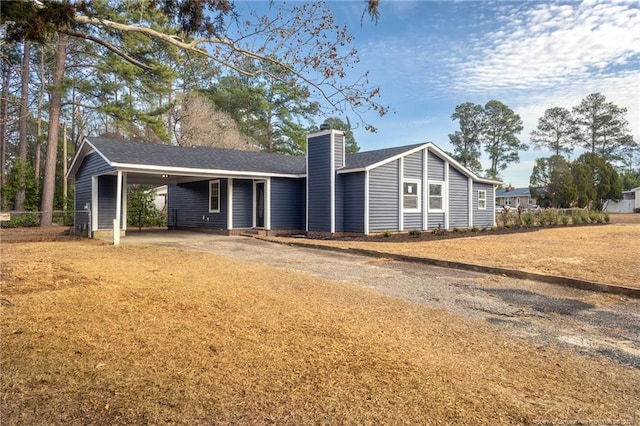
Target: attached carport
[(104, 168)]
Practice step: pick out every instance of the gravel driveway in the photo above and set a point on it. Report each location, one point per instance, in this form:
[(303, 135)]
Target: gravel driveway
[(589, 322)]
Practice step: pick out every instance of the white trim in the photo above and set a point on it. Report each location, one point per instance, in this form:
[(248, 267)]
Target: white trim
[(230, 203), (306, 192), (199, 172), (443, 196), (485, 199), (418, 194), (94, 203), (125, 200), (267, 204), (366, 202), (446, 192), (332, 182), (118, 201), (438, 152), (401, 194), (425, 188), (470, 192), (211, 182)]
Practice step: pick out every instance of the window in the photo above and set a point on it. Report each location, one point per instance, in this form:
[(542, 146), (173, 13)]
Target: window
[(214, 196), (436, 196), (482, 200), (507, 201), (411, 196)]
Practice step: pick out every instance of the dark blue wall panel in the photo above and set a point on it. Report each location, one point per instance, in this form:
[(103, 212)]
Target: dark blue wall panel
[(188, 206), (288, 203)]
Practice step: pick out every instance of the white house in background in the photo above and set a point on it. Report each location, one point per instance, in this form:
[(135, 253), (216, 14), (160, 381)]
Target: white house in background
[(160, 197), (629, 203)]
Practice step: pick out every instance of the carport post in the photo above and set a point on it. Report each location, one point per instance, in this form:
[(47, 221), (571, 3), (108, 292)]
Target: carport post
[(116, 221)]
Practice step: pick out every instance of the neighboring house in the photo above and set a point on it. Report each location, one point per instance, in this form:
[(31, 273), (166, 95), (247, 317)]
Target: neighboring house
[(415, 187), (515, 197), (628, 204)]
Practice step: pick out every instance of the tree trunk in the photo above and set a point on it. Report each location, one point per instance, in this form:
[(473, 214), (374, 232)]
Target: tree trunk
[(22, 125), (4, 116), (49, 184), (43, 84)]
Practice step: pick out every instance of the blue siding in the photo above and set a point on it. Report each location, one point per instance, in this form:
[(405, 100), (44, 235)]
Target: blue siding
[(483, 218), (435, 167), (458, 199), (107, 186), (384, 197), (188, 203), (288, 204), (352, 185), (338, 148), (435, 219), (92, 165), (413, 166), (242, 203), (319, 174)]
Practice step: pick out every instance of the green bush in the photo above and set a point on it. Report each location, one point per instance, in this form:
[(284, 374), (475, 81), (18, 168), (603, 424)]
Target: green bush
[(565, 219), (607, 219), (21, 220), (386, 234), (593, 217), (475, 229), (415, 232), (528, 218), (544, 221)]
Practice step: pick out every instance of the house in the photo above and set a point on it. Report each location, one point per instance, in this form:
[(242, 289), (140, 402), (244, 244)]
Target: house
[(629, 203), (515, 197), (328, 192)]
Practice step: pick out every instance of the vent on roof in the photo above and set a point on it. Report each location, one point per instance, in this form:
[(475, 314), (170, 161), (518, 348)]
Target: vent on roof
[(325, 126)]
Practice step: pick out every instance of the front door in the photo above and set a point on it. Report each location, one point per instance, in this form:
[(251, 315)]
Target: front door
[(259, 203)]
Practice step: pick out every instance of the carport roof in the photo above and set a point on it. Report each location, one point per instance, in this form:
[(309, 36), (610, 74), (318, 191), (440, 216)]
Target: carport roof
[(124, 152)]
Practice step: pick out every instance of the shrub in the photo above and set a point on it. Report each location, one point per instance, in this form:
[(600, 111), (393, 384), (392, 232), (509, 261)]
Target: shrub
[(456, 229), (386, 234), (21, 220), (543, 220), (475, 229), (607, 219), (593, 217), (415, 232), (565, 219), (528, 218)]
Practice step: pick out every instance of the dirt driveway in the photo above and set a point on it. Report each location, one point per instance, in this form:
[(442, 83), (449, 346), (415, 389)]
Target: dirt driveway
[(589, 322)]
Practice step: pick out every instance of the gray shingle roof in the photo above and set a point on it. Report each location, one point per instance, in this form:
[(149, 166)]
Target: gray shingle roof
[(515, 192), (361, 160), (141, 153)]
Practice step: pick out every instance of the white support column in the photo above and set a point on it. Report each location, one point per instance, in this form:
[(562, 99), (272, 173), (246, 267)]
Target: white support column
[(94, 203), (125, 200), (400, 194), (425, 190), (230, 204), (118, 217), (446, 195), (267, 204), (366, 202), (471, 202)]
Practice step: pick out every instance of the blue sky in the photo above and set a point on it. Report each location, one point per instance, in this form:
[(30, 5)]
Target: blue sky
[(429, 56)]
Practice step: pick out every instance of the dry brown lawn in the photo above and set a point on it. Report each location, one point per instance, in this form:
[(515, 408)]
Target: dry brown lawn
[(607, 254), (98, 334)]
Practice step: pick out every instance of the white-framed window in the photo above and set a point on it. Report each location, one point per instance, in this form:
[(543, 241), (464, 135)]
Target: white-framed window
[(214, 196), (482, 199), (530, 201), (436, 196), (411, 196), (507, 201)]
